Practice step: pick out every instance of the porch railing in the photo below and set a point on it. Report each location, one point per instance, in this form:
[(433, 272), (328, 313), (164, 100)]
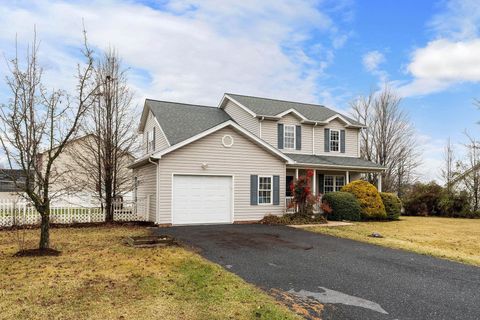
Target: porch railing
[(290, 209)]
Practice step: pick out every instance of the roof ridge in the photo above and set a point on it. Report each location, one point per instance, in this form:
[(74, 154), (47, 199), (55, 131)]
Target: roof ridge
[(181, 103), (281, 100)]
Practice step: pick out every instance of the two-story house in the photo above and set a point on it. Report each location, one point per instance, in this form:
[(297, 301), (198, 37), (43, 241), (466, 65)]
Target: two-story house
[(235, 162)]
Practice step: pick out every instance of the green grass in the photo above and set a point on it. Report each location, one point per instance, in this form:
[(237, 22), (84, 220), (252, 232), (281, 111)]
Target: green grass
[(448, 238), (97, 277)]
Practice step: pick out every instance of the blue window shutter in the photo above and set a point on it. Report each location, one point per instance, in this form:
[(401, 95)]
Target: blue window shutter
[(280, 135), (253, 190), (298, 137), (342, 141), (321, 185), (276, 190), (327, 140)]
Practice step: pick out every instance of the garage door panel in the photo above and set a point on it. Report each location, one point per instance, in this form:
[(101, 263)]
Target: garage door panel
[(202, 199)]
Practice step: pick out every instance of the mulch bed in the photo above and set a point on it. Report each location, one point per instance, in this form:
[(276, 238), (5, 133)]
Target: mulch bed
[(38, 253)]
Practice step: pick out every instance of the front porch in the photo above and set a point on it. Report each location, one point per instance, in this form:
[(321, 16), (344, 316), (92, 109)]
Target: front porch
[(325, 180)]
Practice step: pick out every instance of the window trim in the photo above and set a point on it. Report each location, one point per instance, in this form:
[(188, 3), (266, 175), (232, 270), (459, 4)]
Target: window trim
[(330, 140), (271, 190), (294, 136), (334, 186)]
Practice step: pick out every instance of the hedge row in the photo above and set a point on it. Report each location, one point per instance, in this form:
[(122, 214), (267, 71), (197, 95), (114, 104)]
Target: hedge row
[(360, 200)]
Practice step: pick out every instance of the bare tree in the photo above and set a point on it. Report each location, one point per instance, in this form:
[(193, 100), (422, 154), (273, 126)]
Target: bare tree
[(389, 138), (448, 171), (106, 152), (37, 119), (470, 176)]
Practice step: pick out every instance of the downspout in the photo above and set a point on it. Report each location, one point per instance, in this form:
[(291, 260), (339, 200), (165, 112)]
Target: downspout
[(156, 190)]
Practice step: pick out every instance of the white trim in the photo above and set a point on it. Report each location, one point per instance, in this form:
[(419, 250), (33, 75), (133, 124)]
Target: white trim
[(347, 177), (227, 145), (267, 146), (298, 114), (294, 136), (161, 130), (335, 167), (271, 190), (340, 117), (330, 141), (232, 214), (226, 96)]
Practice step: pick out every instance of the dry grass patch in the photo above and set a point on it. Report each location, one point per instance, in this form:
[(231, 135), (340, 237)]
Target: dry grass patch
[(449, 238), (97, 277)]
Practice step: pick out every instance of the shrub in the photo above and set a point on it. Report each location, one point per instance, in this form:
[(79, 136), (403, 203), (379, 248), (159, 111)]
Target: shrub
[(393, 205), (368, 198), (454, 204), (423, 199), (341, 206), (303, 199)]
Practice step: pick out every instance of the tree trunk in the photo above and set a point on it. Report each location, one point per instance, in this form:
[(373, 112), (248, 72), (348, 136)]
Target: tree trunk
[(108, 207), (45, 230)]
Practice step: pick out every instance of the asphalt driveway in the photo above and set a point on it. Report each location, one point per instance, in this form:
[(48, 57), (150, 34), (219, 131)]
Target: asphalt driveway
[(352, 280)]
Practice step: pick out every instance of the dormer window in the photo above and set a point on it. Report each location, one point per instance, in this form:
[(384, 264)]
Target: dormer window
[(289, 137), (335, 140)]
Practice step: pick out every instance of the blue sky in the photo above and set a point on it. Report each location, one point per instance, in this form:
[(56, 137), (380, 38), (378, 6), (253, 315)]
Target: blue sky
[(326, 52)]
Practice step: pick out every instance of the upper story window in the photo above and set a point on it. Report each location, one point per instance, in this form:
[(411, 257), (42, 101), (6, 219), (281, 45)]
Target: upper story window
[(289, 137), (334, 140), (151, 140)]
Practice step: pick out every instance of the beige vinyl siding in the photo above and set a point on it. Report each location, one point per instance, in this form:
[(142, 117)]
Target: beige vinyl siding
[(243, 159), (270, 135), (242, 117), (351, 140), (160, 139), (147, 189)]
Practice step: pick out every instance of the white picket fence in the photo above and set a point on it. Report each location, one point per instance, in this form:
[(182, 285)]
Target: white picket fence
[(20, 212)]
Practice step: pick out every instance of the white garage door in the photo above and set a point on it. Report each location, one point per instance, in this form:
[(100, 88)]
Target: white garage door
[(202, 199)]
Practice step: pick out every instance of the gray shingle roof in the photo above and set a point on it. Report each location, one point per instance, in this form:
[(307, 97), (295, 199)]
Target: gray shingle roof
[(333, 160), (181, 121), (272, 107)]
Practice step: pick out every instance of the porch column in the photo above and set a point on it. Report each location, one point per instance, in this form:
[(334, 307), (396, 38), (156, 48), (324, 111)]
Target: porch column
[(314, 182), (347, 177), (379, 182), (296, 174)]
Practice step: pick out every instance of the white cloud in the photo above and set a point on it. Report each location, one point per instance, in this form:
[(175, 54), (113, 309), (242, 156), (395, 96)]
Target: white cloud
[(460, 20), (372, 60), (453, 56), (192, 51)]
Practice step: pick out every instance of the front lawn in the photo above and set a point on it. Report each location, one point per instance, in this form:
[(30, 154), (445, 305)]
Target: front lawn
[(97, 277), (449, 238)]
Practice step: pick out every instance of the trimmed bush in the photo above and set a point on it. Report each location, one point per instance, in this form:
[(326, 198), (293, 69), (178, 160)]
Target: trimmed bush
[(393, 205), (341, 206), (369, 199)]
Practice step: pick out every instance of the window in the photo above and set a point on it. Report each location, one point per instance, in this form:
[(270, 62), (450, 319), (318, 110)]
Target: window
[(150, 141), (329, 184), (333, 183), (339, 182), (334, 140), (289, 137), (264, 190)]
